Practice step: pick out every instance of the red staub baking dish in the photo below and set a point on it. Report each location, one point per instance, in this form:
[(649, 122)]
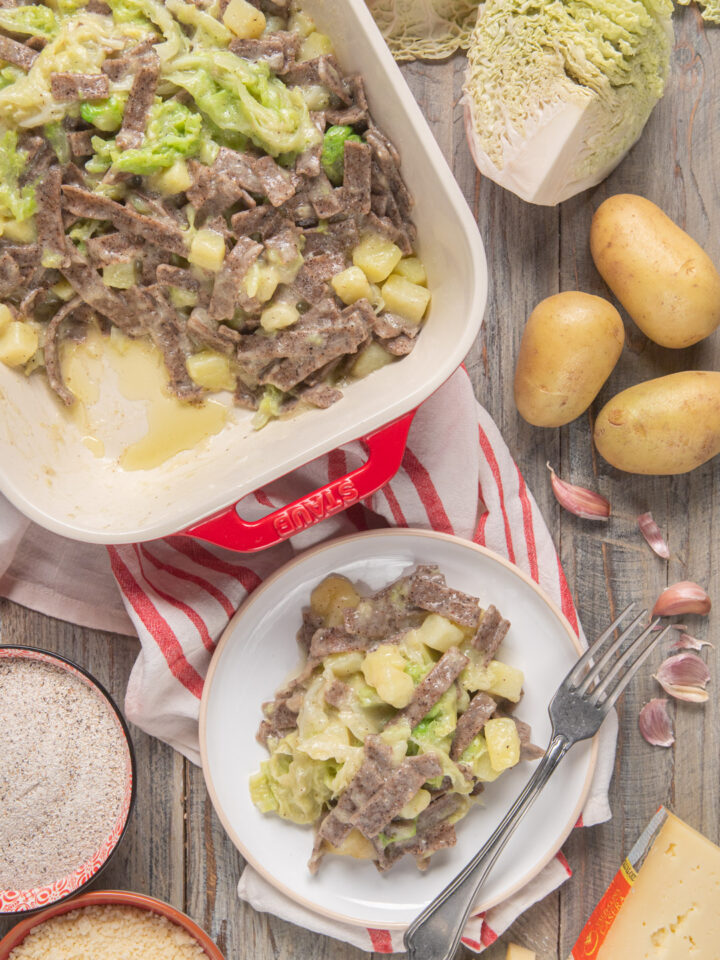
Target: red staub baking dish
[(49, 474)]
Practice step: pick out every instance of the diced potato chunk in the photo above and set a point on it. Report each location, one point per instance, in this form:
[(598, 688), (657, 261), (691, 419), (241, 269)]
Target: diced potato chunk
[(408, 299), (180, 297), (211, 370), (120, 275), (503, 743), (261, 281), (438, 632), (301, 23), (332, 596), (315, 45), (316, 97), (498, 679), (6, 316), (351, 285), (63, 290), (355, 845), (20, 231), (376, 256), (278, 316), (516, 952), (176, 179), (207, 249), (373, 357), (414, 807), (384, 669), (481, 766), (412, 269), (245, 20), (18, 342)]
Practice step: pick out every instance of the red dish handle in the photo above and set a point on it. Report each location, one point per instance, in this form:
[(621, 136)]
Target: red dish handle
[(385, 448)]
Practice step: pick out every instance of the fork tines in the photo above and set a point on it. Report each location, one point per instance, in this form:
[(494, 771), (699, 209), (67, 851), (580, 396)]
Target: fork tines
[(587, 672)]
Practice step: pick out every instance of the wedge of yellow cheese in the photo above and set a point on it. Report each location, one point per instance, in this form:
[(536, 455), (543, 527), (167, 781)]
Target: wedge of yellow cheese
[(672, 911)]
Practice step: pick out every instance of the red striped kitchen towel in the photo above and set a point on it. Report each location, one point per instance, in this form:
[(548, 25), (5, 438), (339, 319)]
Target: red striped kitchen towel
[(457, 477)]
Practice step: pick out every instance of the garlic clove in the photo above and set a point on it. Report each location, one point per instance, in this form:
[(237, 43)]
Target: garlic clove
[(684, 676), (655, 723), (689, 694), (651, 531), (686, 642), (683, 597), (579, 500)]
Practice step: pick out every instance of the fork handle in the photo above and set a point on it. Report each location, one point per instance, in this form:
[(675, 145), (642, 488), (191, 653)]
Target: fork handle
[(436, 933)]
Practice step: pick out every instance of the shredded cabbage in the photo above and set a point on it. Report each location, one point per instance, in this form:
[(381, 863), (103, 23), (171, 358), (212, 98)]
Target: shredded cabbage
[(242, 96), (173, 132), (425, 29), (558, 91), (80, 46), (33, 20), (16, 203)]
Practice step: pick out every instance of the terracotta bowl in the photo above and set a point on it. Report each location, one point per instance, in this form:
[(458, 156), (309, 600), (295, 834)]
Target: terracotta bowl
[(15, 902), (102, 898)]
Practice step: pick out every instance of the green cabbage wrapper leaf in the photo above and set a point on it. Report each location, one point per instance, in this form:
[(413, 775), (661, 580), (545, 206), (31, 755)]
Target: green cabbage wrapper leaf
[(425, 29), (17, 203)]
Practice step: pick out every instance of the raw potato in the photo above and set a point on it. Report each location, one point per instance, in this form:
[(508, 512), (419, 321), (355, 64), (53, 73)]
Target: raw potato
[(665, 426), (663, 278), (570, 345)]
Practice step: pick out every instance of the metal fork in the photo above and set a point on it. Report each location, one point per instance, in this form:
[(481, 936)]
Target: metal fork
[(581, 703)]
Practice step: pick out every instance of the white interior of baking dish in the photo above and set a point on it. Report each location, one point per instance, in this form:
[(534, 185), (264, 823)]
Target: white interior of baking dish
[(52, 477)]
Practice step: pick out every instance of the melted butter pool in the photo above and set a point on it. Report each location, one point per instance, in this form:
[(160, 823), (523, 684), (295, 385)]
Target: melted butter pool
[(140, 377)]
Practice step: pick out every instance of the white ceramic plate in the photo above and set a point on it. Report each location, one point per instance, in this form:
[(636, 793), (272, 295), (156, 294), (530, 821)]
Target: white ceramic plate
[(258, 653)]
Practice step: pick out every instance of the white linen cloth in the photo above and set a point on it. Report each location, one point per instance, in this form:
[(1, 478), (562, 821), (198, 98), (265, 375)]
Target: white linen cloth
[(178, 594)]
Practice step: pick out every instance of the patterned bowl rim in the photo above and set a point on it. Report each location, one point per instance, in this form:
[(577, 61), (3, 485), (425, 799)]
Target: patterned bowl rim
[(101, 898), (25, 902)]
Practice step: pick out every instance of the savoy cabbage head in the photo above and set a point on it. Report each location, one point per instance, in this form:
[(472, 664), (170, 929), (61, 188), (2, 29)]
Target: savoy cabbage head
[(557, 91)]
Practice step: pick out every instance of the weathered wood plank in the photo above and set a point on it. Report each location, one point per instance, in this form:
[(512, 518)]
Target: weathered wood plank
[(533, 252)]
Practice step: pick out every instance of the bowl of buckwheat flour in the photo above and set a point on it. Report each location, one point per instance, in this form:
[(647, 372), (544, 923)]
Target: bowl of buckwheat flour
[(67, 778)]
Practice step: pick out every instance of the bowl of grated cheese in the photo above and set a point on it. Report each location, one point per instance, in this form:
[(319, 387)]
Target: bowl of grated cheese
[(96, 924)]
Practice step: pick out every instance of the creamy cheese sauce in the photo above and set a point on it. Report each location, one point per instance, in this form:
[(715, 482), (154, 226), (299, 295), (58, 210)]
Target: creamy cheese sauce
[(140, 375)]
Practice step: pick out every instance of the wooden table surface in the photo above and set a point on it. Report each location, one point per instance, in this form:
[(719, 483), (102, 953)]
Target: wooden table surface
[(177, 851)]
